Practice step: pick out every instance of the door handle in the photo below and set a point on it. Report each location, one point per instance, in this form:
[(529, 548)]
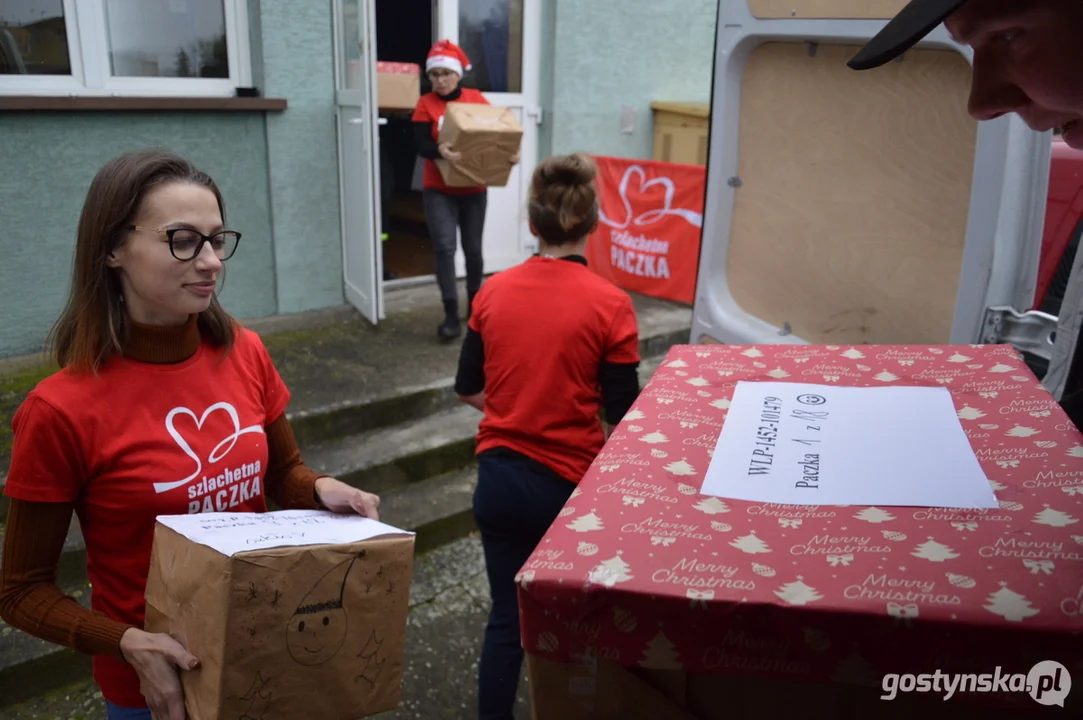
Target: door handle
[(381, 121), (357, 121)]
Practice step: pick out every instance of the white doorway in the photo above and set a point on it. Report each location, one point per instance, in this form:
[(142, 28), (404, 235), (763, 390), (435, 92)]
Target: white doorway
[(502, 38), (377, 153)]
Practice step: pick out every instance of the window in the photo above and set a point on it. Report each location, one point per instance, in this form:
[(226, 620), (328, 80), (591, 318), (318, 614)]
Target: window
[(491, 34), (175, 48)]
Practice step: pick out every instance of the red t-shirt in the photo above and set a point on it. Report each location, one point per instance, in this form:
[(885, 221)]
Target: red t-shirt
[(142, 440), (547, 325), (430, 108)]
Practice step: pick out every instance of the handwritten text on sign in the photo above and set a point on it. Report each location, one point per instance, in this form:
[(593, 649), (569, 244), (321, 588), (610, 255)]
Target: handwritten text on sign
[(231, 533), (792, 443)]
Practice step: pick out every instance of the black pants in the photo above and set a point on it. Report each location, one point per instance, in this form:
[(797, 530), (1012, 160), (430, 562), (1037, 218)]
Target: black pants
[(514, 505), (446, 215)]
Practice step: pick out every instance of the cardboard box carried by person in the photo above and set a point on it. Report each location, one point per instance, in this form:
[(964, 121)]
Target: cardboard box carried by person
[(292, 614), (487, 137), (398, 85)]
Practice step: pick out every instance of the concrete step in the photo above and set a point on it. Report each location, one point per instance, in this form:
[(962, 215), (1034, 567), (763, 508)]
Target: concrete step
[(381, 460), (30, 667), (439, 510), (449, 601)]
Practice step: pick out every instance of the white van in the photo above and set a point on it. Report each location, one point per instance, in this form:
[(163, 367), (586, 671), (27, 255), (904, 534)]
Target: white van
[(868, 207)]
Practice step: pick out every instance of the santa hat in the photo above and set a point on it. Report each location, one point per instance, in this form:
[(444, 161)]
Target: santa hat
[(446, 54)]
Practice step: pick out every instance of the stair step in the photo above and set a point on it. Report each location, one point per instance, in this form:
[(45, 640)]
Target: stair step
[(382, 460), (29, 666)]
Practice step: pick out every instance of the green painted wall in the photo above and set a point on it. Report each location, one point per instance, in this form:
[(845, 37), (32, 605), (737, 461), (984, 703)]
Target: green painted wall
[(49, 160), (610, 54), (302, 144), (278, 172)]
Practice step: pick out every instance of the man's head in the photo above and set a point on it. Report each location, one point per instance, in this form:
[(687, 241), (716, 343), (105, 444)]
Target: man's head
[(1026, 59)]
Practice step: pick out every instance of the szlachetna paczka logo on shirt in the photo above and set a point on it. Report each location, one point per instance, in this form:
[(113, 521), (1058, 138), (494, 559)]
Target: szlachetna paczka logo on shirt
[(229, 488)]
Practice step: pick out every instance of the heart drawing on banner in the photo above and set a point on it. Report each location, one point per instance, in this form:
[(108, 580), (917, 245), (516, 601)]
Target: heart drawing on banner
[(220, 450), (651, 216)]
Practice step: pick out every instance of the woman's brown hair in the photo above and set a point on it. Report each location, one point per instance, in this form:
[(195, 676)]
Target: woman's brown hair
[(563, 201), (94, 323)]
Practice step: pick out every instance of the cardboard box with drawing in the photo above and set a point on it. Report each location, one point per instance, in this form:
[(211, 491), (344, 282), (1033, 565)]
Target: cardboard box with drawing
[(488, 138), (291, 614)]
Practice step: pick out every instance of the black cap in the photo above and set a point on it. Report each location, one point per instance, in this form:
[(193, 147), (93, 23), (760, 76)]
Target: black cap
[(914, 22)]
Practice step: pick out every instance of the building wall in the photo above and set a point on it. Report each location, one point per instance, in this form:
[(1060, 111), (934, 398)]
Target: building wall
[(302, 145), (49, 160), (277, 171), (611, 54)]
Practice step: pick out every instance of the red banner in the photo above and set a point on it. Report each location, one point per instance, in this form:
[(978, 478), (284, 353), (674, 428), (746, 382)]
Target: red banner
[(648, 236)]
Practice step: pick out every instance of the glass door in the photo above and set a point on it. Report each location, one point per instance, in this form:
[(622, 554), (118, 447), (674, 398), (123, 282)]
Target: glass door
[(502, 38)]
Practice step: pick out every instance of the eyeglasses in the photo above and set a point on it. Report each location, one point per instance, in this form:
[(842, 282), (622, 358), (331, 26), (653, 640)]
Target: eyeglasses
[(186, 244)]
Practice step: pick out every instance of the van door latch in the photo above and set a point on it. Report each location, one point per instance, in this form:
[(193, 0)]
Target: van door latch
[(1030, 332)]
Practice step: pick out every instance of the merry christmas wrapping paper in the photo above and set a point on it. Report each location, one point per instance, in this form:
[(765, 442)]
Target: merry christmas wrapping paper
[(642, 570)]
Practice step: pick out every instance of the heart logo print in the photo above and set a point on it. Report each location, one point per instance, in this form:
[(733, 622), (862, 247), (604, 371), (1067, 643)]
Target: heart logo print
[(220, 450), (651, 216)]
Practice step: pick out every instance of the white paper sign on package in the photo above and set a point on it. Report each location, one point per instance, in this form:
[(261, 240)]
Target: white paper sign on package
[(799, 444), (232, 533)]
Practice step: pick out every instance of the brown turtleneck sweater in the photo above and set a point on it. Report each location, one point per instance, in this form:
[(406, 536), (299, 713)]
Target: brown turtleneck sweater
[(29, 597)]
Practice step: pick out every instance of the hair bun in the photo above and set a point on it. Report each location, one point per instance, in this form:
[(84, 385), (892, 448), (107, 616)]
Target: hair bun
[(569, 170)]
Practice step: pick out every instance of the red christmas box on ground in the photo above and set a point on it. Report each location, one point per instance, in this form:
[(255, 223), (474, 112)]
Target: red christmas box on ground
[(649, 599)]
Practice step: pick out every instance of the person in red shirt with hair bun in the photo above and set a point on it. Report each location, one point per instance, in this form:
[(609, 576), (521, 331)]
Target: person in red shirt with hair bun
[(449, 210), (550, 344)]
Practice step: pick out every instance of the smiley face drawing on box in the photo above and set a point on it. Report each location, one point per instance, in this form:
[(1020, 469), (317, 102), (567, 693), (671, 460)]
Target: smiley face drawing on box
[(317, 628)]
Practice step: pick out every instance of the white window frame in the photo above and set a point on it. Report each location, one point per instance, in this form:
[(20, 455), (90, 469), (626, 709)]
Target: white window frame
[(88, 49)]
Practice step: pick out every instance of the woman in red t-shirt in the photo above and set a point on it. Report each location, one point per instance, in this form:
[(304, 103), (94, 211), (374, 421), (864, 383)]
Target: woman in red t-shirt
[(549, 345), (447, 209), (164, 405)]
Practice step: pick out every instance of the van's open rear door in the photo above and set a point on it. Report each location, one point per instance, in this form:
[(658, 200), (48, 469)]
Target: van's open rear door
[(852, 207)]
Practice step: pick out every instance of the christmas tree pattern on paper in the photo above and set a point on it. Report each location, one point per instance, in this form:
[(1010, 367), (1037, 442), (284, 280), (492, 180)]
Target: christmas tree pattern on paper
[(778, 374), (933, 551), (752, 353), (853, 354), (1001, 368), (874, 515), (373, 663), (1054, 518), (886, 377), (660, 654), (712, 506), (680, 467), (634, 415), (654, 438), (1010, 605), (959, 358), (610, 572), (750, 544), (798, 593), (678, 363), (586, 523), (724, 404), (1076, 451), (855, 670), (969, 413), (1022, 431)]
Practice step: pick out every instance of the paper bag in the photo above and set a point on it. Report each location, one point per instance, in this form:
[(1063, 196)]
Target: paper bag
[(398, 85), (487, 137), (294, 614)]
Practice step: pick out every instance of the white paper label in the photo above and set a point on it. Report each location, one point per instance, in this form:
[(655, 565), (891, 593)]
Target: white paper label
[(792, 443), (232, 533)]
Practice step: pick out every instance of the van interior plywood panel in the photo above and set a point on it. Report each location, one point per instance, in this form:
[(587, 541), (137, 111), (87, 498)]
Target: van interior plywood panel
[(831, 9), (851, 217)]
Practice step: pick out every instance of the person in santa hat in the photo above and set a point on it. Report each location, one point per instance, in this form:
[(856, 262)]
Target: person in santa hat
[(447, 209)]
